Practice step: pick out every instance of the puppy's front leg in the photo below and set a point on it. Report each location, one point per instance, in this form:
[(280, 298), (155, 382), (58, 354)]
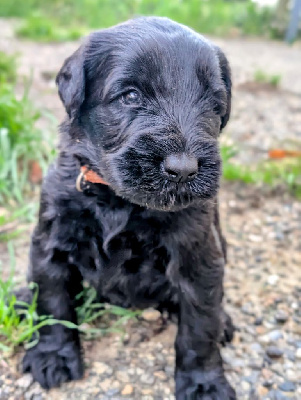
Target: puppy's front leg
[(199, 370), (57, 357)]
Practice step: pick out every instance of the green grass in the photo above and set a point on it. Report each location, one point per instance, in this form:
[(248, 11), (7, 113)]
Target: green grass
[(97, 319), (17, 325), (19, 321), (57, 20), (12, 220), (43, 29), (262, 77), (8, 68), (20, 143), (286, 172)]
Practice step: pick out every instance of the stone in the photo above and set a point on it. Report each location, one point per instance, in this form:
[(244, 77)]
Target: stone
[(139, 371), (287, 386), (147, 379), (169, 370), (273, 279), (161, 375), (245, 385), (112, 392), (281, 316), (256, 347), (128, 389), (266, 373), (274, 352), (262, 391), (35, 390), (277, 395), (255, 238), (298, 353), (291, 374), (258, 321), (146, 391), (264, 339), (151, 315), (101, 368), (25, 381), (268, 383), (105, 384), (122, 376), (275, 335), (252, 378)]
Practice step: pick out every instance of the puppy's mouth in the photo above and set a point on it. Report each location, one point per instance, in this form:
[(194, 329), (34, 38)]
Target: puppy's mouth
[(171, 196), (154, 191)]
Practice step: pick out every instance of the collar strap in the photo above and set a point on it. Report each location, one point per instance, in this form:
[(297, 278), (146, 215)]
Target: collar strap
[(87, 175)]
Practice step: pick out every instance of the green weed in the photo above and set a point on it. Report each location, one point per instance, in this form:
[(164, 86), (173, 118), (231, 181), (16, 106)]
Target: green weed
[(51, 20), (262, 77), (8, 68), (20, 143), (271, 172), (90, 312), (44, 29), (12, 220), (19, 321)]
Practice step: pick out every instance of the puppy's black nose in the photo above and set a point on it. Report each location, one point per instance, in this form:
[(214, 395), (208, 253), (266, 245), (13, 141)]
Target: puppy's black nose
[(180, 167)]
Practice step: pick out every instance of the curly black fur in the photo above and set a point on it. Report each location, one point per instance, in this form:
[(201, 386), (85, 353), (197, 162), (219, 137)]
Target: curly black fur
[(135, 94)]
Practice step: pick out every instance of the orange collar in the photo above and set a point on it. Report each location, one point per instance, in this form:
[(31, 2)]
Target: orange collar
[(87, 175)]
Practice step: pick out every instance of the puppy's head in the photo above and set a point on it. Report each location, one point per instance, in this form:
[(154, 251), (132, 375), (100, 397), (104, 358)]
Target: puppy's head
[(147, 100)]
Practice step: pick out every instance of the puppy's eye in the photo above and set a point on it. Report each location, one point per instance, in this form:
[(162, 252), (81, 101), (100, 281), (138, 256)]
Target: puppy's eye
[(131, 98)]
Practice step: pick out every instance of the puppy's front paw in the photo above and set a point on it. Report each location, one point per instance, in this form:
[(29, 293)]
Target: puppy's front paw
[(210, 385), (51, 367)]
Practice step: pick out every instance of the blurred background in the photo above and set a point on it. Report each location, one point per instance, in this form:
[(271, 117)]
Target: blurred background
[(260, 195)]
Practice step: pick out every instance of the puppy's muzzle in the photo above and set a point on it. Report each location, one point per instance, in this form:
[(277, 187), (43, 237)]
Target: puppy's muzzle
[(180, 168)]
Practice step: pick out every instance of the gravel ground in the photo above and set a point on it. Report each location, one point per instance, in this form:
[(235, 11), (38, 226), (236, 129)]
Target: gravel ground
[(263, 229), (262, 294)]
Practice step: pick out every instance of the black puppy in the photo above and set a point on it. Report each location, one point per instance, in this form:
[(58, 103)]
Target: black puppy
[(131, 203)]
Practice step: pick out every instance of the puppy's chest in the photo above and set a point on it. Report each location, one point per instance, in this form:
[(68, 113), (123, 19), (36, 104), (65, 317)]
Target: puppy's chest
[(115, 242)]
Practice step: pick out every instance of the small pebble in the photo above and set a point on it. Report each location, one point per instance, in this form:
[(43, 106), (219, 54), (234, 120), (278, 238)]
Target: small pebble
[(262, 391), (277, 395), (258, 321), (105, 384), (298, 353), (102, 368), (161, 375), (281, 316), (122, 376), (268, 383), (245, 385), (287, 386), (112, 392), (147, 379), (151, 315), (128, 389), (273, 279), (274, 352), (25, 381), (275, 335), (256, 347)]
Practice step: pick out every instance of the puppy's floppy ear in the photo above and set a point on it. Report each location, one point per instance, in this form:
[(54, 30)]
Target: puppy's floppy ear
[(71, 82), (226, 78)]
